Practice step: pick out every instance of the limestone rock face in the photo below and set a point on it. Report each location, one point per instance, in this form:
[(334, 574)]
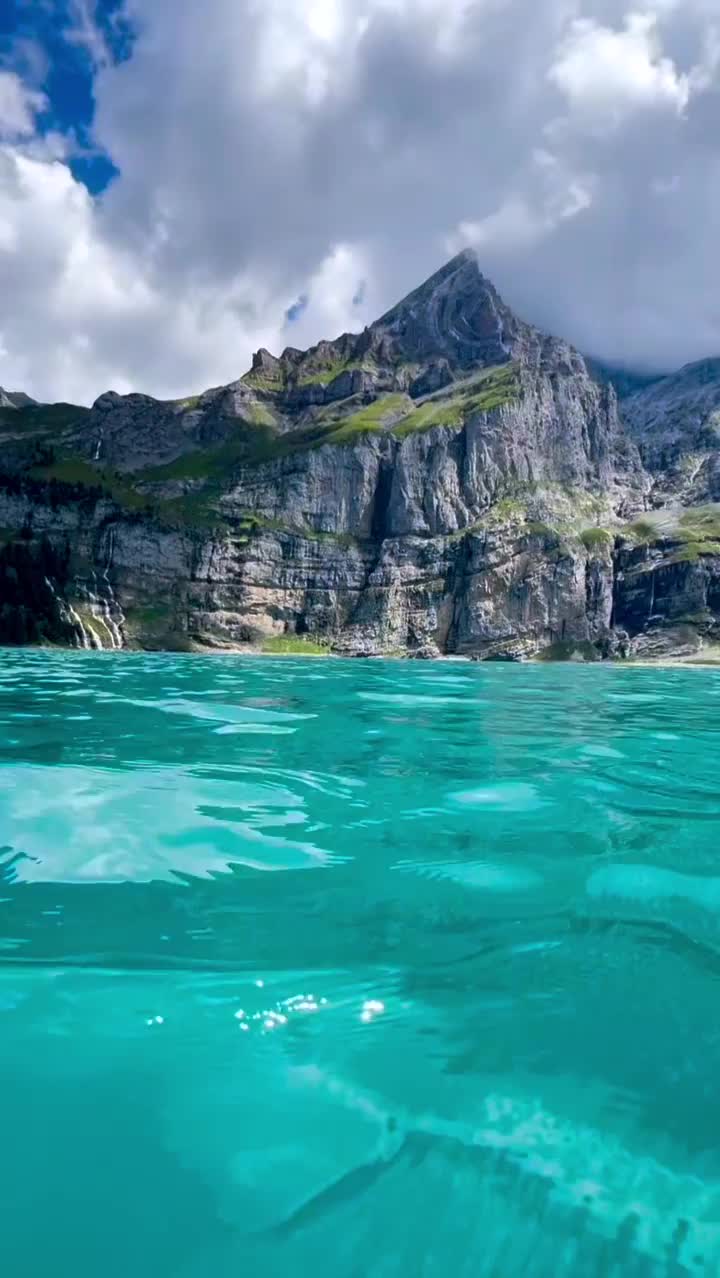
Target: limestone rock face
[(676, 425), (449, 481), (455, 319)]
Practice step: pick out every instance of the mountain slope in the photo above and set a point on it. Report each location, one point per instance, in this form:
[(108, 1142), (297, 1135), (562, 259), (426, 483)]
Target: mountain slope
[(14, 399), (676, 423), (450, 480)]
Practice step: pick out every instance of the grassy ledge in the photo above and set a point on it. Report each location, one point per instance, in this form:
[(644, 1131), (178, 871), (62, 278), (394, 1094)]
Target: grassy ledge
[(75, 471), (294, 645), (378, 415), (694, 532), (264, 381), (256, 439), (324, 374), (596, 538), (491, 389)]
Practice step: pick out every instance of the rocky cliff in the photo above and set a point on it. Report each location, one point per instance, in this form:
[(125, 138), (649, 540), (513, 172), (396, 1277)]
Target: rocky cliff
[(451, 480)]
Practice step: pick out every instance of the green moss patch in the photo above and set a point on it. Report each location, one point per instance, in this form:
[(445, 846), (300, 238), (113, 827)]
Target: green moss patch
[(193, 510), (395, 412), (372, 417), (147, 614), (152, 619), (536, 528), (490, 389), (257, 524), (326, 373), (700, 523), (553, 513), (273, 383), (695, 531), (260, 415), (251, 441), (596, 538), (691, 551), (642, 531), (505, 509), (260, 441), (76, 472), (294, 645), (429, 415), (257, 438)]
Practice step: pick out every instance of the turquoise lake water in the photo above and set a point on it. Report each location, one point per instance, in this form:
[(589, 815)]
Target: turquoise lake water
[(361, 969)]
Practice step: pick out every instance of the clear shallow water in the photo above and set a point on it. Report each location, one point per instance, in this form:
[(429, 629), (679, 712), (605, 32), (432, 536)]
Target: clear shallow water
[(375, 970)]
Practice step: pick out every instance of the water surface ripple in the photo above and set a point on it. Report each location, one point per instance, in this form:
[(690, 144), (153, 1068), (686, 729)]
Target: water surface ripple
[(374, 969)]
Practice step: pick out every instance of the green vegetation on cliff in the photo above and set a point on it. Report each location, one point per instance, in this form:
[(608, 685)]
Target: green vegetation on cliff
[(688, 534), (454, 406), (39, 418), (596, 538), (325, 373), (76, 471), (691, 551), (381, 414), (432, 413), (256, 439), (266, 380), (700, 523), (289, 645)]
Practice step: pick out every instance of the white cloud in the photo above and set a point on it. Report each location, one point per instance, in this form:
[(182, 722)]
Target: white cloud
[(269, 150), (19, 105), (605, 73), (93, 312), (334, 290), (551, 195)]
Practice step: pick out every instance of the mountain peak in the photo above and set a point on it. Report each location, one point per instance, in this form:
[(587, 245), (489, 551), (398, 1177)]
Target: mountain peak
[(456, 315), (14, 399), (462, 272), (451, 325)]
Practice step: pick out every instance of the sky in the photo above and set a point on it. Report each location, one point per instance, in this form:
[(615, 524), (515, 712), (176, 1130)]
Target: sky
[(183, 182)]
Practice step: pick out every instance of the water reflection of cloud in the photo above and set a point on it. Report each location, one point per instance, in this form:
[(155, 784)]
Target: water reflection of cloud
[(90, 825)]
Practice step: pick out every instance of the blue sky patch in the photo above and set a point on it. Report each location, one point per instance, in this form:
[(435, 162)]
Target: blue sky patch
[(43, 41), (298, 308)]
